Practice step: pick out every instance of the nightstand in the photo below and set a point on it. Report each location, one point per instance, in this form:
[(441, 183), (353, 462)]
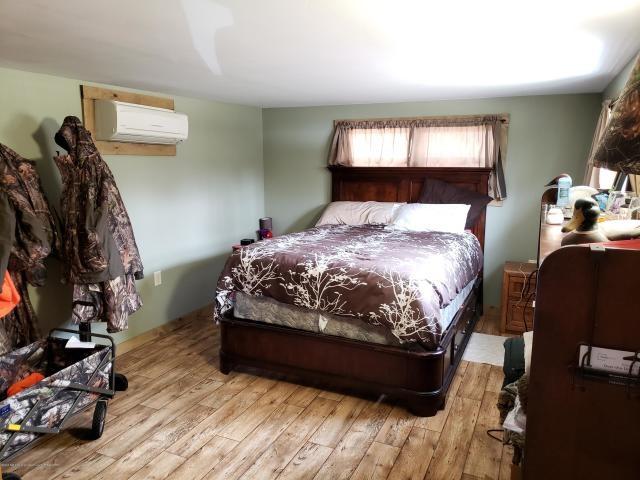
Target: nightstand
[(518, 293)]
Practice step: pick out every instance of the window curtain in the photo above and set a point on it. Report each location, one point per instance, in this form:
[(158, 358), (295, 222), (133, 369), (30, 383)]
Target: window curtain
[(370, 143), (619, 148), (597, 177), (465, 141)]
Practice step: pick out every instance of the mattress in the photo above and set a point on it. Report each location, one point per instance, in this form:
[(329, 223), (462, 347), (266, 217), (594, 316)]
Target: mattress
[(267, 310), (399, 280)]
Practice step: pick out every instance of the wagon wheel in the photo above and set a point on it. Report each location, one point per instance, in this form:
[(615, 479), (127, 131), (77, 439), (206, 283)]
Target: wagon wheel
[(120, 382), (99, 417), (10, 476)]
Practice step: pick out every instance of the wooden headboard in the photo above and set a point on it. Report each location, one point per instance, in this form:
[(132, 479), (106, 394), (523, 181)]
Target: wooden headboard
[(404, 184)]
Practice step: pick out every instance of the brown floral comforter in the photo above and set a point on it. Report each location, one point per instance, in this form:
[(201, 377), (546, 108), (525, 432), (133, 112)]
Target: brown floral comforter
[(397, 279)]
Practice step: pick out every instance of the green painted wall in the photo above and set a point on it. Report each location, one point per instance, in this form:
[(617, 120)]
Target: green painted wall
[(186, 210), (548, 135), (615, 86)]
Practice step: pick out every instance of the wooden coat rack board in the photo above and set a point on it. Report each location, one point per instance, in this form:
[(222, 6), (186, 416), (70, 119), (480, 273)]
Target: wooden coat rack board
[(90, 93)]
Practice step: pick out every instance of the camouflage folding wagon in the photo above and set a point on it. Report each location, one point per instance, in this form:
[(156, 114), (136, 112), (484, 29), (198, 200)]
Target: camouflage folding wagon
[(75, 378)]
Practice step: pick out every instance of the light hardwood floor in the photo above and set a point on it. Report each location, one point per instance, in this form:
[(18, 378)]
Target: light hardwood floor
[(182, 419)]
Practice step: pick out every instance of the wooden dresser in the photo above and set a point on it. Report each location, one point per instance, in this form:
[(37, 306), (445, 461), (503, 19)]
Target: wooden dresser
[(582, 424), (517, 299)]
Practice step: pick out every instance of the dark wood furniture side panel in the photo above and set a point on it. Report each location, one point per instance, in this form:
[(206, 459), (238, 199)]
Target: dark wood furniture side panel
[(579, 427), (421, 380), (402, 184)]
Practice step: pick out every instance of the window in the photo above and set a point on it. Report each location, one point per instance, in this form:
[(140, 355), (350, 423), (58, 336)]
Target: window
[(379, 147), (468, 141), (602, 178), (465, 146)]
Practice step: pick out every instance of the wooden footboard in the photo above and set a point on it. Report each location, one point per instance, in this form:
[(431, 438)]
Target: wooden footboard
[(420, 379)]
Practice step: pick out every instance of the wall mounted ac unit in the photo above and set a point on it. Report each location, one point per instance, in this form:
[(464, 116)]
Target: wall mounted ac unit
[(127, 122)]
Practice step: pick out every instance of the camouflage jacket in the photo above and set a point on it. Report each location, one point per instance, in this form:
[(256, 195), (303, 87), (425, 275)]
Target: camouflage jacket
[(7, 231), (99, 244), (23, 204)]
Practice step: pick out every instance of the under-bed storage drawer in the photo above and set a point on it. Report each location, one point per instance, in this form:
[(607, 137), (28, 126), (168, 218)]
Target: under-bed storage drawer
[(466, 323), (315, 357)]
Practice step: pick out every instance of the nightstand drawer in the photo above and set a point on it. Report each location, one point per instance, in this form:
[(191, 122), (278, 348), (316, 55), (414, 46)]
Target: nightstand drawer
[(519, 316), (518, 290), (517, 285)]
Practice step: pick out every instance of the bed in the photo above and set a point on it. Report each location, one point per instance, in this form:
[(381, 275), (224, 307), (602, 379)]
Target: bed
[(415, 364)]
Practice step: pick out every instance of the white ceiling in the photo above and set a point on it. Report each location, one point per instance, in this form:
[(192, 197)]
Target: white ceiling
[(314, 52)]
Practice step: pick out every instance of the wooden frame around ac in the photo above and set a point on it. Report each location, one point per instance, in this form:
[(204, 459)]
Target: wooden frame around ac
[(90, 93)]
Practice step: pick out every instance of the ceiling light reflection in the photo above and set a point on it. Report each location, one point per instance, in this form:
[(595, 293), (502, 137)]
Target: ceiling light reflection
[(204, 19), (498, 42)]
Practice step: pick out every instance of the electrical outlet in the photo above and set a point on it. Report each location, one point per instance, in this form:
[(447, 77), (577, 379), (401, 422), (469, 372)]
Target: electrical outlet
[(157, 278)]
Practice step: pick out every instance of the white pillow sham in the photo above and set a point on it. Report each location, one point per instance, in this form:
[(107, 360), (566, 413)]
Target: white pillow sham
[(358, 213), (424, 217)]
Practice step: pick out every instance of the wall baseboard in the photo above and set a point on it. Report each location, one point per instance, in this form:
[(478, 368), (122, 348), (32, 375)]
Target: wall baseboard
[(159, 331)]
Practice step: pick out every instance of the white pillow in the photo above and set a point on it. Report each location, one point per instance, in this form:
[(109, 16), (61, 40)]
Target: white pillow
[(358, 213), (437, 217)]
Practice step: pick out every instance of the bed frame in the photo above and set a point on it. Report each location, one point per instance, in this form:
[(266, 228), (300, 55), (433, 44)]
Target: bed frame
[(420, 379)]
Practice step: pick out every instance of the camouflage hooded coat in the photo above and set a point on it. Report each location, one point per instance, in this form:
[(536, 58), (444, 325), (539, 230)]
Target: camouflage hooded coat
[(27, 236), (100, 254)]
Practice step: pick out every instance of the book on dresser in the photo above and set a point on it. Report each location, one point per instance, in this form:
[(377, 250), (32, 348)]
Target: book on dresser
[(518, 295)]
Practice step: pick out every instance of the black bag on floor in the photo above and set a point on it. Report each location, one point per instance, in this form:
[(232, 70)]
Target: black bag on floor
[(513, 359)]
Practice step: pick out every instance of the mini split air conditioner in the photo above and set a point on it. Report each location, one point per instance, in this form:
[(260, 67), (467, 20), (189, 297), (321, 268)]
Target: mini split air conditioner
[(127, 122)]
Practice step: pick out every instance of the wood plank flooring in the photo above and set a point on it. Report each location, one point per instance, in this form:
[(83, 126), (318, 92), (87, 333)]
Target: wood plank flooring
[(182, 419)]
